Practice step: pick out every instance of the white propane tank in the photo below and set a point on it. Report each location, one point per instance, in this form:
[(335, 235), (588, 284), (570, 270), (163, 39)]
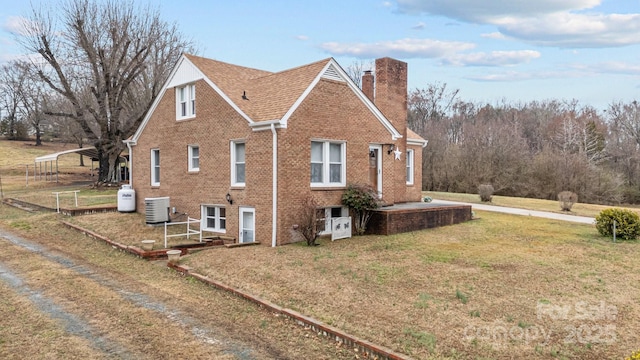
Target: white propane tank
[(126, 199)]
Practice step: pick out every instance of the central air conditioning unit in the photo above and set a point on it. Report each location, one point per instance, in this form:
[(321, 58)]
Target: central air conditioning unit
[(156, 210)]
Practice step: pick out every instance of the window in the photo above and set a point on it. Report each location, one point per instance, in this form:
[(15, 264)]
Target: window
[(214, 218), (409, 167), (186, 101), (327, 163), (194, 158), (238, 168), (155, 167), (324, 216)]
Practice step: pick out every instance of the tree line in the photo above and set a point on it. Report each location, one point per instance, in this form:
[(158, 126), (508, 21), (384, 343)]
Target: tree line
[(535, 149)]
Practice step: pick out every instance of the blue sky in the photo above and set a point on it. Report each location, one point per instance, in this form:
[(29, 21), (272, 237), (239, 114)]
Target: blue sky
[(492, 50)]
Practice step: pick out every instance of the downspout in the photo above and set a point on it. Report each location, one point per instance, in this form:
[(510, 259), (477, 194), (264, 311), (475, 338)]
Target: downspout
[(130, 162), (274, 191)]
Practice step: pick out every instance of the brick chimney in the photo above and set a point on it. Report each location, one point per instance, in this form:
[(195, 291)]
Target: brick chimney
[(391, 92), (367, 84), (391, 99)]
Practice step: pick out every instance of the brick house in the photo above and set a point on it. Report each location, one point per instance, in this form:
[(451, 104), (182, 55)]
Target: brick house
[(242, 148)]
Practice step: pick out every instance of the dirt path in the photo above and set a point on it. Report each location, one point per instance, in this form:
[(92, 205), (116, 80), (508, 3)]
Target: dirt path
[(94, 302)]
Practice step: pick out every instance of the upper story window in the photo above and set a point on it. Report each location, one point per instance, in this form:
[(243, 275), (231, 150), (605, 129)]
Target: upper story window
[(185, 101), (238, 167), (410, 167), (155, 167), (328, 165), (194, 158)]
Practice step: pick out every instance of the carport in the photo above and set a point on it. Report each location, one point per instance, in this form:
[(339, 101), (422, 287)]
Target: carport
[(48, 162)]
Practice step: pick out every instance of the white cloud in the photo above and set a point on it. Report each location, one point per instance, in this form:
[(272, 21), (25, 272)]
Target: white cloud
[(419, 26), (403, 48), (487, 10), (302, 37), (611, 67), (512, 76), (494, 35), (15, 25), (494, 58), (575, 30), (558, 23)]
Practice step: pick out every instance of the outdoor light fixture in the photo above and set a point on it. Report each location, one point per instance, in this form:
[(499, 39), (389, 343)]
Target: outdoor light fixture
[(391, 148), (229, 200)]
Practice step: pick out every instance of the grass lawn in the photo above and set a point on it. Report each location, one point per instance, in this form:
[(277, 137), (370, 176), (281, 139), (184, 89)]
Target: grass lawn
[(590, 210), (15, 156), (497, 287), (502, 286)]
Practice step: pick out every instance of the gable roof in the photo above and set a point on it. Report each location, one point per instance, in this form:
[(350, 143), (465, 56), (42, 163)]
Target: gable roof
[(261, 97), (414, 139), (268, 95)]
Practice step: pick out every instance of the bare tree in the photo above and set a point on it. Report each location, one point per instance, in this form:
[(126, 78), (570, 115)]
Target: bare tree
[(431, 104), (108, 60), (357, 68), (12, 78), (33, 96)]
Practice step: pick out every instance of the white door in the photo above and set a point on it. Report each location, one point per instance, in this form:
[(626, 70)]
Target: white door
[(375, 168), (247, 225)]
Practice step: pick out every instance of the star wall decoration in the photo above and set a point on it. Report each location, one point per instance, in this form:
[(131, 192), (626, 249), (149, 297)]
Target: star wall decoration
[(397, 152)]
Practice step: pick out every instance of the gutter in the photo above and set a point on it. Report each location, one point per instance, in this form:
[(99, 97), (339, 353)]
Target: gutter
[(274, 191), (129, 143)]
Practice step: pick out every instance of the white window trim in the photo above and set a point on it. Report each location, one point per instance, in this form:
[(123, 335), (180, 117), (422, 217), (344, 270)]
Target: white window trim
[(410, 166), (326, 168), (154, 164), (190, 98), (203, 218), (234, 181), (191, 157)]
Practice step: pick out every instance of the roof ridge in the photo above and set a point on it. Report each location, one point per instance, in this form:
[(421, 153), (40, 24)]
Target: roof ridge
[(201, 58)]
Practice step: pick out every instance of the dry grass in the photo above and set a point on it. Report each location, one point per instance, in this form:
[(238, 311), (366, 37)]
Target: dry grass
[(130, 229), (138, 307), (421, 293), (17, 156), (580, 209)]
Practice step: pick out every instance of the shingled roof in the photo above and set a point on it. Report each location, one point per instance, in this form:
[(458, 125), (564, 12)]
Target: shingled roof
[(268, 95)]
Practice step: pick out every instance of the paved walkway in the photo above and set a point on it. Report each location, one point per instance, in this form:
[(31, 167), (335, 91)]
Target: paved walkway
[(525, 212)]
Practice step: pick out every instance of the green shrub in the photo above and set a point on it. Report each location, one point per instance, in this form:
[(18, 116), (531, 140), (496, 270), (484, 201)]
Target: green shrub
[(361, 199), (627, 223), (486, 192), (567, 199)]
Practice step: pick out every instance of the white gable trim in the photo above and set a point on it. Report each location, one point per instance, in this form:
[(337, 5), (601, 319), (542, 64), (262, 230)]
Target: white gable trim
[(331, 69), (184, 72)]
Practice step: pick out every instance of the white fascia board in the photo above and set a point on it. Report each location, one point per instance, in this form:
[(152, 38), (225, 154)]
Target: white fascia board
[(266, 125), (422, 143)]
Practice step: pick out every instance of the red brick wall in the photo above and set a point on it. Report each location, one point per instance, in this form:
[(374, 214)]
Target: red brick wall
[(330, 112), (215, 124)]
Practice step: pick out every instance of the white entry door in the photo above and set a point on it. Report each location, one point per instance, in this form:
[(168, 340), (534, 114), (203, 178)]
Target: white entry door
[(375, 168), (247, 225)]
